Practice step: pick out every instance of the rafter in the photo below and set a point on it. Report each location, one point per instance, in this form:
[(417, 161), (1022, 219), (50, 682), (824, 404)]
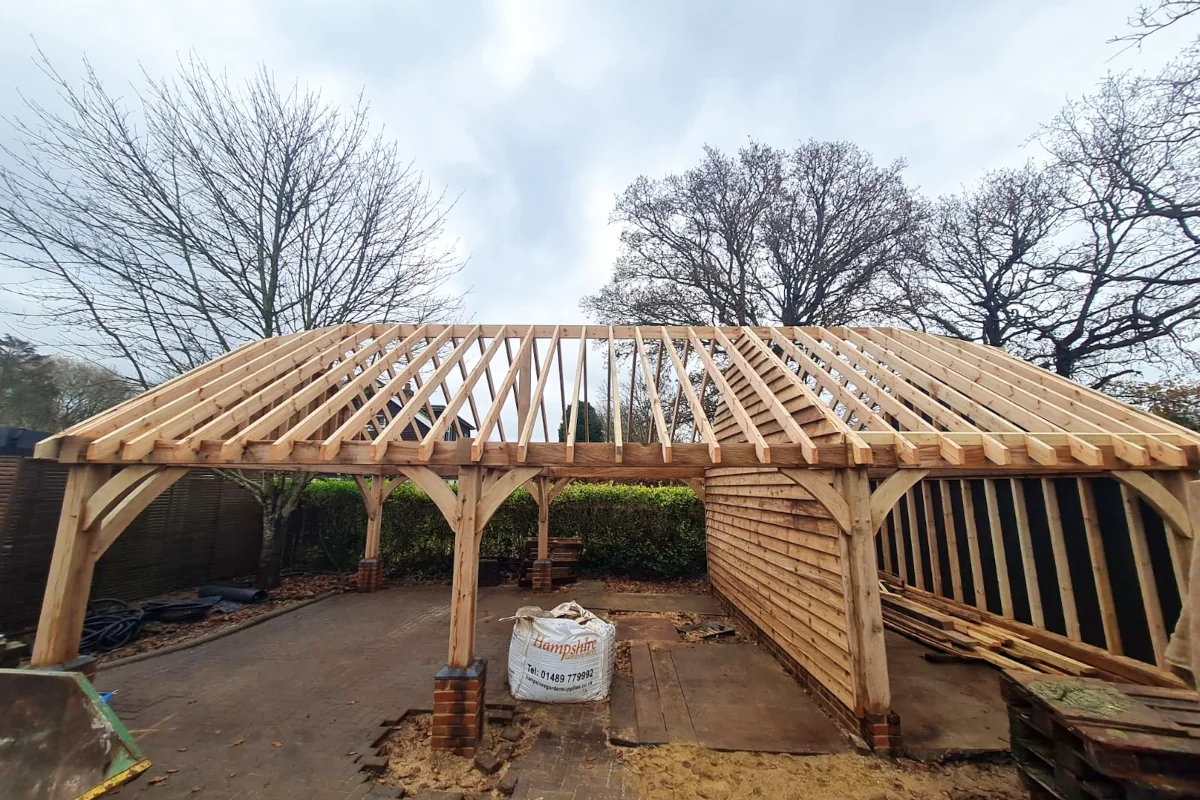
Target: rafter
[(356, 397)]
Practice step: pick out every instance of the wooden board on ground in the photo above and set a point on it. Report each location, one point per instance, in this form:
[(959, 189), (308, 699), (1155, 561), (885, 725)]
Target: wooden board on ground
[(646, 629), (725, 697), (651, 603)]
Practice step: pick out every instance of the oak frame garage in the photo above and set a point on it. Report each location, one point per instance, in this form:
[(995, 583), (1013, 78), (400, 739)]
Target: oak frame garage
[(817, 435)]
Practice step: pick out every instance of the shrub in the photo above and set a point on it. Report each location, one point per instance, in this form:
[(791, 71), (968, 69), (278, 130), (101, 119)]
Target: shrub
[(631, 530)]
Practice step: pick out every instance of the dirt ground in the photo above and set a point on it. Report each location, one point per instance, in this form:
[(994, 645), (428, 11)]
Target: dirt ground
[(676, 771), (682, 586), (415, 767), (294, 589)]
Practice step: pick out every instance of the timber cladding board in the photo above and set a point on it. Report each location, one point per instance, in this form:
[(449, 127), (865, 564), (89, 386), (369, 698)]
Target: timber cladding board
[(379, 395), (781, 567)]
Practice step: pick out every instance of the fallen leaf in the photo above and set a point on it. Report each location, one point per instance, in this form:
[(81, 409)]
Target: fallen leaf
[(172, 771), (276, 744), (232, 774), (352, 753), (238, 742), (180, 749), (351, 702), (216, 732), (196, 789), (157, 780)]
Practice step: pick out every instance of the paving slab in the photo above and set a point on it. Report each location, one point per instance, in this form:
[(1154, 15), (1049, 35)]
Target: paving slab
[(945, 709), (288, 708)]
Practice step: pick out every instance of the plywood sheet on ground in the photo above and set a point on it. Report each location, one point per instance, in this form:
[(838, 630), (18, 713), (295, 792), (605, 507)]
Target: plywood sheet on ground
[(725, 697), (654, 603), (945, 709), (646, 629)]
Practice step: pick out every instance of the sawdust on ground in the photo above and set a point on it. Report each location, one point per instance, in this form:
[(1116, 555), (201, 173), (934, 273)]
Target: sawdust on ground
[(689, 771), (292, 590), (415, 766)]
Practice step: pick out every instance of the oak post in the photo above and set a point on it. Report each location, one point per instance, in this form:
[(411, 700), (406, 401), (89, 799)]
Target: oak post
[(864, 611), (465, 592), (370, 573), (543, 501), (65, 605), (542, 576)]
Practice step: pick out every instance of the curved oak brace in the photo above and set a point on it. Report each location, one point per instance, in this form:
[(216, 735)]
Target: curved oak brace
[(391, 486), (888, 493), (440, 493), (134, 503), (814, 482), (499, 490), (113, 490), (556, 490), (696, 485), (1158, 497)]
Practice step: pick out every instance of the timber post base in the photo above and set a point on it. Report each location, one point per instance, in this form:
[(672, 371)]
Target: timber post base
[(458, 708), (370, 575), (542, 575)]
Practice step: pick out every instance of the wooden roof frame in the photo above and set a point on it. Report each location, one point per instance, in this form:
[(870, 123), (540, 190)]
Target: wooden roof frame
[(882, 398)]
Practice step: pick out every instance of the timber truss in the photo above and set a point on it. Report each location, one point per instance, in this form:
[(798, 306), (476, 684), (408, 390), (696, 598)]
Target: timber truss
[(369, 398)]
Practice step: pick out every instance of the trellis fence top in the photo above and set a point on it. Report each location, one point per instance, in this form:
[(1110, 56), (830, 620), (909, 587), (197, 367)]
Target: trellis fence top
[(370, 397)]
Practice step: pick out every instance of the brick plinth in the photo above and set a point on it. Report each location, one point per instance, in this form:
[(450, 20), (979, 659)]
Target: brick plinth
[(370, 575), (542, 575), (458, 708), (882, 733)]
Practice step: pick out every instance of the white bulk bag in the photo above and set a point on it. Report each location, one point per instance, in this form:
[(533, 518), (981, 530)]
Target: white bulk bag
[(565, 655)]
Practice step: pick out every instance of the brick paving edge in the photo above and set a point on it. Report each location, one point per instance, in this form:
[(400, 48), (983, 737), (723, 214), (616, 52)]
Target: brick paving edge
[(209, 637)]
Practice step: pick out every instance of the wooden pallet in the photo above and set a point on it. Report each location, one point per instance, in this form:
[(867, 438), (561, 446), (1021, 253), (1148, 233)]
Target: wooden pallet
[(1144, 744)]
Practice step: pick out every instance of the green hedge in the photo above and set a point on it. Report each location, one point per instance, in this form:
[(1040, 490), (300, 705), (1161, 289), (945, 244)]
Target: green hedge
[(630, 530)]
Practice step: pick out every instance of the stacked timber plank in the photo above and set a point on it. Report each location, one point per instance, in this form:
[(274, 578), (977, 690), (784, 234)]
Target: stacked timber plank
[(974, 635), (564, 555), (1084, 738)]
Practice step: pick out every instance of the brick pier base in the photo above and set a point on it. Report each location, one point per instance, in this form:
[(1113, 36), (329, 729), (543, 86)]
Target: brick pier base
[(458, 708), (882, 733), (542, 575), (370, 575)]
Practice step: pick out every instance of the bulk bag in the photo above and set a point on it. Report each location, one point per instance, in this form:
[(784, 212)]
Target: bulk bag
[(565, 655)]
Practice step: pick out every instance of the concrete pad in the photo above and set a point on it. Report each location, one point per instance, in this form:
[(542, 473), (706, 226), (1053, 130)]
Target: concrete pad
[(945, 709)]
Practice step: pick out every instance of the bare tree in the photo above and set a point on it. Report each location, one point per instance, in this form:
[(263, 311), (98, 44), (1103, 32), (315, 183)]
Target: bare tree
[(85, 389), (836, 224), (765, 237), (691, 242), (1151, 18), (988, 246), (1126, 287), (204, 213)]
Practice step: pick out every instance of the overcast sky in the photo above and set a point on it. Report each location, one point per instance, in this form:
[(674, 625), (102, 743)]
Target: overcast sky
[(539, 113)]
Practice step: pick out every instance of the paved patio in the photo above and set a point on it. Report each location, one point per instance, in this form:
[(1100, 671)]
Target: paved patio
[(274, 711)]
